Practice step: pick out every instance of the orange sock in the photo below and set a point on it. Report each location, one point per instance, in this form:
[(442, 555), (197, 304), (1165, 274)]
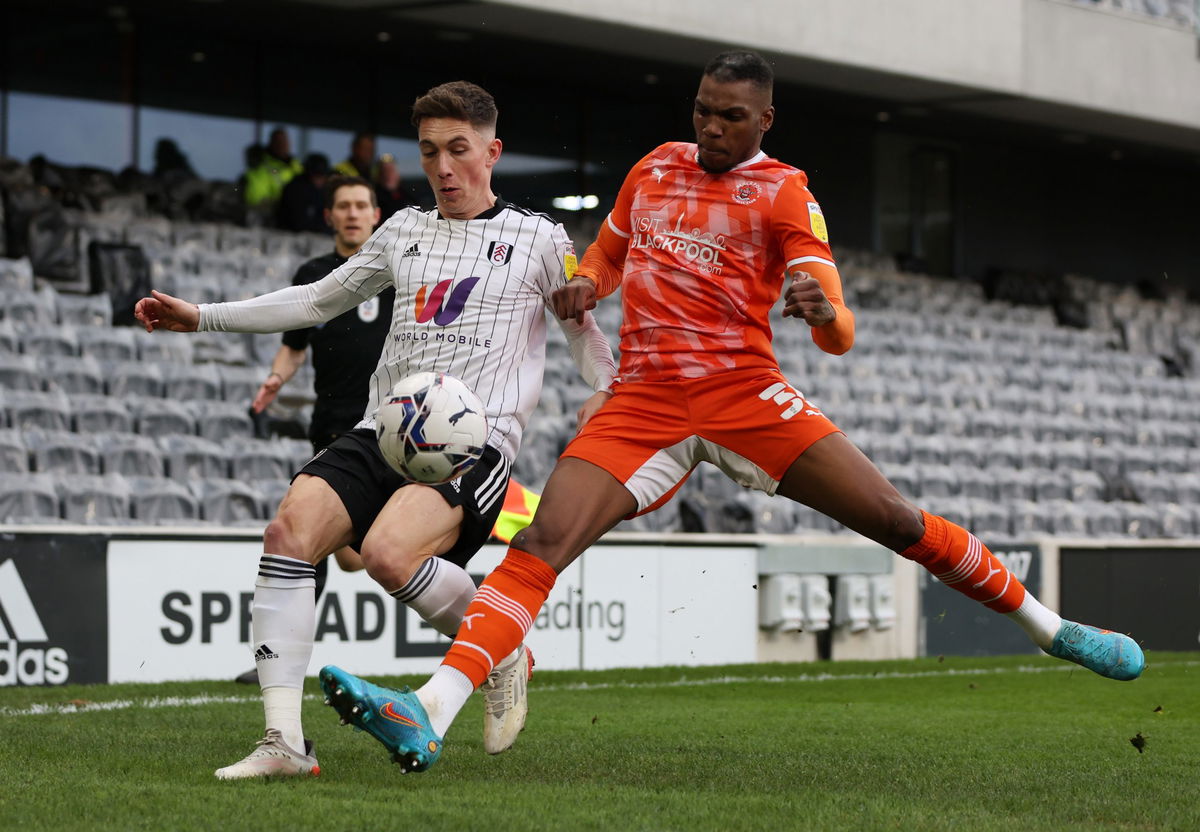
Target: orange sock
[(500, 615), (961, 562)]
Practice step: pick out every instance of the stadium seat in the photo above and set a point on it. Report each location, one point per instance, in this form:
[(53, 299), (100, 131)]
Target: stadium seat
[(29, 307), (100, 414), (72, 374), (192, 382), (94, 499), (59, 339), (28, 498), (938, 480), (27, 410), (1031, 519), (929, 450), (193, 458), (62, 452), (130, 455), (228, 502), (151, 233), (223, 420), (85, 310), (299, 451), (989, 519), (107, 343), (16, 275), (163, 502), (194, 288), (161, 417), (255, 459), (272, 491), (14, 454), (219, 347), (1051, 485), (135, 379), (19, 372), (1178, 520), (10, 341), (977, 484), (240, 384), (233, 239), (164, 346)]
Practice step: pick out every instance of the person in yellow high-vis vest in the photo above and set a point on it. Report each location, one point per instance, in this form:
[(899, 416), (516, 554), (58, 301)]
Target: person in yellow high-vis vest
[(519, 505)]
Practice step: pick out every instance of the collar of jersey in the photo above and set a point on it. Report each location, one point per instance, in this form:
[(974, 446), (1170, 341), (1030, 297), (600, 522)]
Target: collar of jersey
[(753, 160), (490, 213)]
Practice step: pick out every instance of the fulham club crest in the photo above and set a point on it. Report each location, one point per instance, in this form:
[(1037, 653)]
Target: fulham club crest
[(499, 253)]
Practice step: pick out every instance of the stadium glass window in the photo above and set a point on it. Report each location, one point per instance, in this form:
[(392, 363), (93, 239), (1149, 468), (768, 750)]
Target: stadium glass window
[(214, 145), (335, 144), (73, 131)]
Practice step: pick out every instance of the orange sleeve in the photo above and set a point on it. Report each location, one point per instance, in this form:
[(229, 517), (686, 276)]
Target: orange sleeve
[(804, 242), (604, 260), (837, 336)]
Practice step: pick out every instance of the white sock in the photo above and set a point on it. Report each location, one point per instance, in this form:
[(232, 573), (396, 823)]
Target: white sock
[(284, 614), (1038, 621), (439, 592), (443, 696), (282, 709)]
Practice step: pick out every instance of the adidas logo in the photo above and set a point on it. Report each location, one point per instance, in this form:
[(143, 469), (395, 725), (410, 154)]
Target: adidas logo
[(263, 651), (20, 623), (412, 251)]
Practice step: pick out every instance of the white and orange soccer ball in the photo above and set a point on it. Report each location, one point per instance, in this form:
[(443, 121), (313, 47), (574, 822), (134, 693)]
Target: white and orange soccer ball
[(431, 428)]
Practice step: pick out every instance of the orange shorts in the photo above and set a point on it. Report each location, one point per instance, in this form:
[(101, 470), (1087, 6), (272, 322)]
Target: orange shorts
[(750, 423)]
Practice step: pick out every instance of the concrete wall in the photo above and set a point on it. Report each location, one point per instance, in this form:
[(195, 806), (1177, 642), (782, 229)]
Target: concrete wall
[(1052, 51)]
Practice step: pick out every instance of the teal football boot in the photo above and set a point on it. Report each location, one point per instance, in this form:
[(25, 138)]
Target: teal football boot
[(394, 717), (1114, 655)]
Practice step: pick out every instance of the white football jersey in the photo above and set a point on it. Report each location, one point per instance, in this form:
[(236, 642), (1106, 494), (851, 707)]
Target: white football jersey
[(471, 300)]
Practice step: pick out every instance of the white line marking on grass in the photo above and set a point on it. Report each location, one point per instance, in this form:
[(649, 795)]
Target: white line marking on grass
[(206, 699)]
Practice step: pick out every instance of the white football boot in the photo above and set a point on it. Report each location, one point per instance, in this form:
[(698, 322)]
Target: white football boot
[(272, 758), (506, 700)]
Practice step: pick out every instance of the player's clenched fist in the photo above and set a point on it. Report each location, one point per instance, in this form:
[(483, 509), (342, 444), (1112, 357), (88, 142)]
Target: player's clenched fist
[(161, 311), (574, 299), (806, 299)]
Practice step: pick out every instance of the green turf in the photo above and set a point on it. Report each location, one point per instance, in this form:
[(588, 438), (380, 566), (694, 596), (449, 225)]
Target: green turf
[(767, 747)]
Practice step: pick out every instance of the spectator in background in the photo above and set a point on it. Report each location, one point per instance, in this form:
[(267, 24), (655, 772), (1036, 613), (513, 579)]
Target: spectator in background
[(170, 161), (302, 206), (361, 162), (389, 190), (265, 181)]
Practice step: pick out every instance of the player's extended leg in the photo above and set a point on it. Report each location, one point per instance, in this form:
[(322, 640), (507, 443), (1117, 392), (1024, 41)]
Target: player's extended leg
[(837, 479), (580, 503), (310, 523)]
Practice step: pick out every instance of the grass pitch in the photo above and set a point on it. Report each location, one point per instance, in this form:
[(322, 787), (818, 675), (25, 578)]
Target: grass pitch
[(962, 744)]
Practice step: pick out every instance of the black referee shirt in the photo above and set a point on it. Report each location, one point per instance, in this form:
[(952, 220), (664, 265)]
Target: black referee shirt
[(345, 350)]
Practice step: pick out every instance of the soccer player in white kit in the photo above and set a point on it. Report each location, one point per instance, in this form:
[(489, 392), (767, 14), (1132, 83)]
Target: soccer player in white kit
[(473, 282)]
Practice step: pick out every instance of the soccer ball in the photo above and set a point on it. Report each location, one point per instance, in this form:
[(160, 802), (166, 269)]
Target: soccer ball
[(431, 428)]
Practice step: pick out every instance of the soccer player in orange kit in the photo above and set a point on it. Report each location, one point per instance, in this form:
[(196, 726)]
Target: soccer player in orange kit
[(700, 240)]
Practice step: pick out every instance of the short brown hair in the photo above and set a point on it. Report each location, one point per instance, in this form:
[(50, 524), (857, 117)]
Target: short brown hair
[(336, 182), (460, 100)]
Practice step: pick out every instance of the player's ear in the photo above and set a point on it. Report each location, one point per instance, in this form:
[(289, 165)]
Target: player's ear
[(767, 119), (328, 218), (378, 216), (493, 151)]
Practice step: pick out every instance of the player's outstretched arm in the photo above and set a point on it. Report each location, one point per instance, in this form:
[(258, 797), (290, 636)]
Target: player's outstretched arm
[(161, 311)]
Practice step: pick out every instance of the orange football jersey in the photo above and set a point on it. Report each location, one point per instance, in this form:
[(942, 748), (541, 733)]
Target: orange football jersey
[(704, 260)]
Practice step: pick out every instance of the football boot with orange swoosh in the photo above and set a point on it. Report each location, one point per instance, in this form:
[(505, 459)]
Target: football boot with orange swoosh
[(394, 717)]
